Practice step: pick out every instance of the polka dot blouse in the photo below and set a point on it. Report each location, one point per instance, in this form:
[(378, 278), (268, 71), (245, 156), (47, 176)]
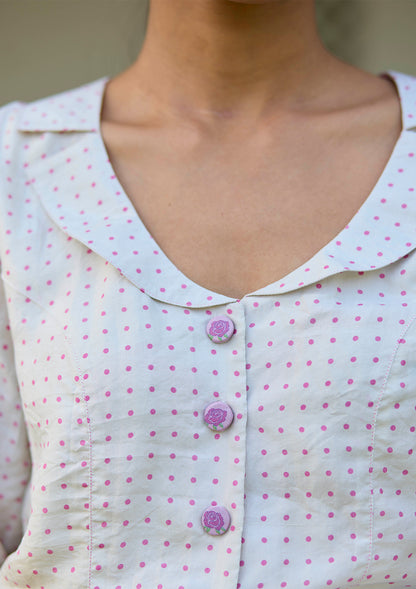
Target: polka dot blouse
[(155, 434)]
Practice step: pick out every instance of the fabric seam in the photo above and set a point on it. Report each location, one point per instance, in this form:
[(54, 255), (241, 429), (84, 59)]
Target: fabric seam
[(371, 478)]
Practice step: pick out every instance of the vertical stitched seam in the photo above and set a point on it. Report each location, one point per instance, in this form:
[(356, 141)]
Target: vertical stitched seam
[(90, 489), (90, 475), (239, 305), (371, 478)]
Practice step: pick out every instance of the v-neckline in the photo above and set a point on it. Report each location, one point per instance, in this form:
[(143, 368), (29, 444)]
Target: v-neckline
[(278, 284)]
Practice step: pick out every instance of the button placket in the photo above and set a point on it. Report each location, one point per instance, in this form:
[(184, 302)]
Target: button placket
[(230, 415)]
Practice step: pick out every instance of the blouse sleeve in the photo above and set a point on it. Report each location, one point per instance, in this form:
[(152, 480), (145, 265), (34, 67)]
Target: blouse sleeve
[(14, 447)]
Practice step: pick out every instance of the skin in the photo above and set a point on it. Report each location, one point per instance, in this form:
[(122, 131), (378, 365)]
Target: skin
[(230, 59), (235, 121)]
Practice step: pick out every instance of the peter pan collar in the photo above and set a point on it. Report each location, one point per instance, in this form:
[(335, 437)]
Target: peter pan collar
[(90, 205)]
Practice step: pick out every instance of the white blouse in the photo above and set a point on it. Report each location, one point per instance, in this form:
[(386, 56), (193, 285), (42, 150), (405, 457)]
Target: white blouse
[(158, 435)]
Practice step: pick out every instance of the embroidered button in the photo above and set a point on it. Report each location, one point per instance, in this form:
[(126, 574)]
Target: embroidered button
[(220, 329), (218, 415), (215, 520)]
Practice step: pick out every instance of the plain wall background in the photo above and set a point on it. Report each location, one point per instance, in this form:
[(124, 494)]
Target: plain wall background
[(52, 45)]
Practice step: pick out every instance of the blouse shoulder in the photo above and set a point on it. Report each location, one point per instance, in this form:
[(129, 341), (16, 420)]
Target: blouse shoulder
[(9, 117), (74, 109), (406, 88)]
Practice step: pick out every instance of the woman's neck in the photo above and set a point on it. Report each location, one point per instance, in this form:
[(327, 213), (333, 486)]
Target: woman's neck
[(222, 59), (218, 65)]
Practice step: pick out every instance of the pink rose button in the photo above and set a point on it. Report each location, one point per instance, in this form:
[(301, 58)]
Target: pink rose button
[(218, 416), (215, 520), (220, 329)]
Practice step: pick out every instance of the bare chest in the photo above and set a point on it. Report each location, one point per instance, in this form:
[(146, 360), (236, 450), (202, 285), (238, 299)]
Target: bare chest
[(235, 223)]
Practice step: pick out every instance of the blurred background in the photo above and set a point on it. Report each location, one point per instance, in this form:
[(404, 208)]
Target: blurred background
[(48, 46)]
